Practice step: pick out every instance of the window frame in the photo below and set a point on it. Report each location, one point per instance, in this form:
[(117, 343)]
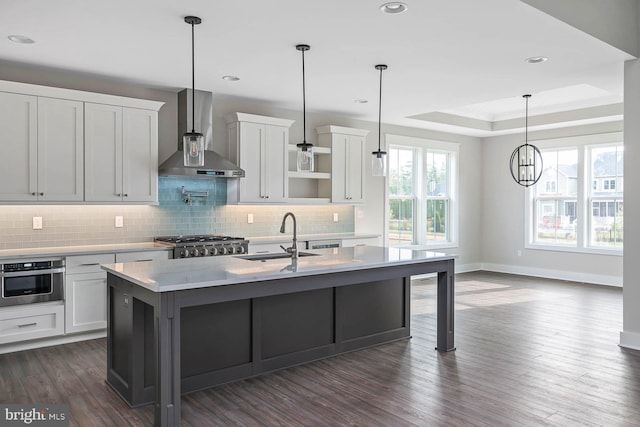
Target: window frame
[(584, 144), (422, 146)]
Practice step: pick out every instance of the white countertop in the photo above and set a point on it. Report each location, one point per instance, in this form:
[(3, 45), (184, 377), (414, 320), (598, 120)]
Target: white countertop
[(286, 238), (61, 251), (193, 273)]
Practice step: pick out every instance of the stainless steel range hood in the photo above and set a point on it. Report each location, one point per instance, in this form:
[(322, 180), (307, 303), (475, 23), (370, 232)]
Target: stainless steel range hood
[(215, 166)]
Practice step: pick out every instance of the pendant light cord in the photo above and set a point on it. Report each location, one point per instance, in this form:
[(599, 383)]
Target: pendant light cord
[(380, 111), (304, 105), (526, 119), (193, 79)]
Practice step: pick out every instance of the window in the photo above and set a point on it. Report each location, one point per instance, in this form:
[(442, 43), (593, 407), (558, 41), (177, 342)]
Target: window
[(555, 203), (605, 223), (578, 203), (421, 192)]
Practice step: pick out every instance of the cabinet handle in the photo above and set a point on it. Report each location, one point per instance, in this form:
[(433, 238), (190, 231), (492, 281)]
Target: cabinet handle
[(27, 324), (33, 194), (125, 195), (42, 194), (119, 194), (88, 264)]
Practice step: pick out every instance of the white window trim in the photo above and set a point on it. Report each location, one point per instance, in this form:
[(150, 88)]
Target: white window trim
[(410, 142), (581, 142)]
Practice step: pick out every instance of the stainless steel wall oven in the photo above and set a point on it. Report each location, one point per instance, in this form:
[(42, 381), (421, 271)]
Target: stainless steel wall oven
[(32, 281)]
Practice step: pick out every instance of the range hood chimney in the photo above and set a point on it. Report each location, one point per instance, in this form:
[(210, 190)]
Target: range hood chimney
[(215, 166)]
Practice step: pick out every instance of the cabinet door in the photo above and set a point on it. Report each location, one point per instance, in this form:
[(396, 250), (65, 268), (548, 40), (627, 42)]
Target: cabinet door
[(85, 302), (347, 160), (60, 150), (275, 163), (103, 153), (355, 169), (139, 155), (339, 161), (252, 149), (18, 147)]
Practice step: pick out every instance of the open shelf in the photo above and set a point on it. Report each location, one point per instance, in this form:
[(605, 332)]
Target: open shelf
[(310, 175), (316, 149)]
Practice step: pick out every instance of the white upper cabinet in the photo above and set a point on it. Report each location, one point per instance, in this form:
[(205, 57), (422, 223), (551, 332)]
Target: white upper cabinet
[(103, 146), (347, 162), (140, 155), (259, 145), (60, 150), (18, 147), (61, 145), (121, 154), (41, 152)]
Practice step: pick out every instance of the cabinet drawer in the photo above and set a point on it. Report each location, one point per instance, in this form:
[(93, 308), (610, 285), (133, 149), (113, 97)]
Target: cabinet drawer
[(88, 263), (141, 256), (33, 321)]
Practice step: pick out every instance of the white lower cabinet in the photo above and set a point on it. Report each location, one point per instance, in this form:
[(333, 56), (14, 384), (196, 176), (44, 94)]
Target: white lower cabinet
[(361, 241), (86, 287), (141, 256), (31, 321), (86, 292)]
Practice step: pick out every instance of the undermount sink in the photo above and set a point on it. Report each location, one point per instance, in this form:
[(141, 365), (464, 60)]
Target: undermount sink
[(274, 255)]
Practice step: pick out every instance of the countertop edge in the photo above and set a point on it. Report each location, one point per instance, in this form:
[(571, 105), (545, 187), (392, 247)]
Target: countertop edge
[(61, 251)]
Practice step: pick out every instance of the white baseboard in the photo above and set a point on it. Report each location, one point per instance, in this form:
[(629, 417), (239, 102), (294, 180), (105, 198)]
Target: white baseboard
[(47, 342), (630, 340), (460, 268), (573, 276)]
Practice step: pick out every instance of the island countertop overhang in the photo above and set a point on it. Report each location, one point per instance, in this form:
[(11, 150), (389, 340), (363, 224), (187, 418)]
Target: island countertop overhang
[(196, 273)]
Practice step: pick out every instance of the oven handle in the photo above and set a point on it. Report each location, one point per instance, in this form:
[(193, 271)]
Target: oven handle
[(32, 272)]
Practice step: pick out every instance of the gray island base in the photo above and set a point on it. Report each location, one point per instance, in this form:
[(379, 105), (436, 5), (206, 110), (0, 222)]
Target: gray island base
[(179, 326)]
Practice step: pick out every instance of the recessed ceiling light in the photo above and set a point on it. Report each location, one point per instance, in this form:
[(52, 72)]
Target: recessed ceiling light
[(536, 59), (20, 39), (230, 78), (360, 101), (393, 7)]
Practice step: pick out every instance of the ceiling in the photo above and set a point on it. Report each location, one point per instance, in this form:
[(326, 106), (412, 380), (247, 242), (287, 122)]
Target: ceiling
[(453, 65)]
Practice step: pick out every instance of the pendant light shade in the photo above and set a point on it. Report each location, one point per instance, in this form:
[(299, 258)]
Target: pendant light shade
[(304, 157), (193, 142), (526, 160), (379, 159)]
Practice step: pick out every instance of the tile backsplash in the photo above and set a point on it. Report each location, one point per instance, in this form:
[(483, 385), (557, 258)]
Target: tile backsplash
[(70, 225)]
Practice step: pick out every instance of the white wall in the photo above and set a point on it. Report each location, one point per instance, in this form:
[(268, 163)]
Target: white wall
[(503, 225), (630, 336)]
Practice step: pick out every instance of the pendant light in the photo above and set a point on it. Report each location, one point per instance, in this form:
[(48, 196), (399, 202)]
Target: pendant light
[(526, 160), (379, 159), (304, 158), (193, 142)]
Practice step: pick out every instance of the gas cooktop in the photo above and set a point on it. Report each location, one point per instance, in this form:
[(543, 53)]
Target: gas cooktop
[(205, 245)]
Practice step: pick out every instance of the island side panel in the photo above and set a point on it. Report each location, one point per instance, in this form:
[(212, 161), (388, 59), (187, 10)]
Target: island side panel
[(446, 309), (373, 313)]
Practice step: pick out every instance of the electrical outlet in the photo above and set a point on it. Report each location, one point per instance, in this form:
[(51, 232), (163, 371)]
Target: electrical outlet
[(519, 253), (335, 217), (37, 223), (249, 218), (119, 221)]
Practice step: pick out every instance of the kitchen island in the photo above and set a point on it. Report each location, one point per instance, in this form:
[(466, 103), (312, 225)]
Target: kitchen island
[(178, 326)]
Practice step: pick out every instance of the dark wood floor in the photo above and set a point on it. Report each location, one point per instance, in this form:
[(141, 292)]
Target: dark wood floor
[(530, 352)]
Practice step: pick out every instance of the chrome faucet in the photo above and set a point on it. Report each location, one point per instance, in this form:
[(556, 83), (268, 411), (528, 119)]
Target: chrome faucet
[(293, 250)]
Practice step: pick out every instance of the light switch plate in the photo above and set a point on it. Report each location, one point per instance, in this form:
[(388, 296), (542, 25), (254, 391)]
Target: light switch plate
[(249, 218), (335, 217), (37, 223), (119, 221)]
